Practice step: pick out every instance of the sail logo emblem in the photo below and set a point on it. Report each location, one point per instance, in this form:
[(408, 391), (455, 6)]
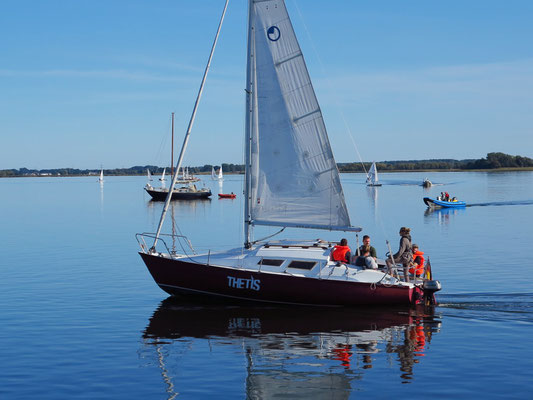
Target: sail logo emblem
[(273, 33)]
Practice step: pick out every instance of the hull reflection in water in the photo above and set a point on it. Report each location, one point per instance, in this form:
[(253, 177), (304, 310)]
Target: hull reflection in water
[(294, 352)]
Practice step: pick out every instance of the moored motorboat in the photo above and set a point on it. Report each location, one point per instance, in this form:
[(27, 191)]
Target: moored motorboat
[(437, 203), (188, 192)]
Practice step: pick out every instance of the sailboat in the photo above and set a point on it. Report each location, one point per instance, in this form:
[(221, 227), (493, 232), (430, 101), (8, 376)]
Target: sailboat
[(217, 176), (101, 177), (149, 175), (188, 191), (372, 176), (285, 131)]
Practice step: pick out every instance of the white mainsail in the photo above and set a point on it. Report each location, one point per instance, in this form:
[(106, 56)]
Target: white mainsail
[(213, 175), (149, 174), (101, 178), (163, 175), (220, 176), (372, 177), (293, 179)]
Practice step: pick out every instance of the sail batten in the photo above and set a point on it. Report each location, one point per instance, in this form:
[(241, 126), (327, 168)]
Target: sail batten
[(299, 54), (294, 180)]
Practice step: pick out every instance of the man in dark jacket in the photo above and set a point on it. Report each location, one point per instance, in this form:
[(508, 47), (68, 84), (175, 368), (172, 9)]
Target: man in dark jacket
[(404, 255), (366, 254)]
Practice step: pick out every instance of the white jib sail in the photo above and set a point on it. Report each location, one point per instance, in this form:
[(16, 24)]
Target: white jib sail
[(294, 177)]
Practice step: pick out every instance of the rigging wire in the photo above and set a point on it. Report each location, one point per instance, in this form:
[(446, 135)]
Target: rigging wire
[(323, 69), (380, 222)]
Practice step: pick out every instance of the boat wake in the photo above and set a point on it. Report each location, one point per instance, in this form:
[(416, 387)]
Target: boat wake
[(502, 203), (516, 307)]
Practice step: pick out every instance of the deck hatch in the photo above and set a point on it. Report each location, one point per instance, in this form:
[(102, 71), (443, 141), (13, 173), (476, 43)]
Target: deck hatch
[(308, 265), (270, 261)]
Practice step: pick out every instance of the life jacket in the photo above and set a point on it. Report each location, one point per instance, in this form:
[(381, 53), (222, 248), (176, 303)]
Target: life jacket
[(419, 270), (339, 253)]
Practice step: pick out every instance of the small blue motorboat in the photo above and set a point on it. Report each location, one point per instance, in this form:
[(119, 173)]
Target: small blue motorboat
[(438, 203)]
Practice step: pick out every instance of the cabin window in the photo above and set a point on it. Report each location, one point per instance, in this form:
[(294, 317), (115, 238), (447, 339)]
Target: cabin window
[(302, 264), (270, 261)]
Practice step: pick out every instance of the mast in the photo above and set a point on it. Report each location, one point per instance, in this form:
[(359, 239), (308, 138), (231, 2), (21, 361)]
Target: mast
[(250, 65), (189, 128), (172, 149)]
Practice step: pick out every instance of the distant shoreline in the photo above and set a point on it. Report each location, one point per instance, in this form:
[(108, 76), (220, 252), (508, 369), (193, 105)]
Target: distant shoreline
[(495, 170), (494, 162)]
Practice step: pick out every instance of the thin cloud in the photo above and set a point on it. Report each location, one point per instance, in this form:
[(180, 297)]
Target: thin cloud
[(514, 80)]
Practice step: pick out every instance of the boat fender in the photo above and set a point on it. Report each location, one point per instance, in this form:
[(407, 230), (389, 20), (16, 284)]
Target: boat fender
[(432, 285)]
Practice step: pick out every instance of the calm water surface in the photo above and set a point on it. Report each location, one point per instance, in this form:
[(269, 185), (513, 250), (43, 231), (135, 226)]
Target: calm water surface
[(82, 318)]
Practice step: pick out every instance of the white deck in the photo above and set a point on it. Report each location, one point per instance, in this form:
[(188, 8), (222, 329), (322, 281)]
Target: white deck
[(258, 258)]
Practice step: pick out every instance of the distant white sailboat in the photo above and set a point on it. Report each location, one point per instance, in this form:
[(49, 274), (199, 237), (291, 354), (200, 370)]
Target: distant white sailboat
[(372, 176), (101, 178), (217, 176), (162, 179), (149, 175)]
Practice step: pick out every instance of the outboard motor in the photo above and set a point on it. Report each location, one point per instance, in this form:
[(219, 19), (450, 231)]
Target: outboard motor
[(430, 287)]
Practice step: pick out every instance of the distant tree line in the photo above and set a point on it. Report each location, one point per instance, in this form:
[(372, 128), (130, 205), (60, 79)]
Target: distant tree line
[(491, 162), (136, 170)]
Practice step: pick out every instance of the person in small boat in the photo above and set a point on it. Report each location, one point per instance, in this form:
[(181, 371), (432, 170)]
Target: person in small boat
[(366, 254), (417, 267), (341, 252), (446, 196), (404, 255)]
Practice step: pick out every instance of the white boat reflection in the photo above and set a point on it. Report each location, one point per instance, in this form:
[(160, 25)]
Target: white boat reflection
[(294, 352)]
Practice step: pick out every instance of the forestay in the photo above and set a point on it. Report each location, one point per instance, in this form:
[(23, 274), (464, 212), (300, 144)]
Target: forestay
[(294, 177)]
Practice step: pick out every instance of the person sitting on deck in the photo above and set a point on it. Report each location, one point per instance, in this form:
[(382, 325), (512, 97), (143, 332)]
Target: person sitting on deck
[(341, 252), (366, 255), (417, 267)]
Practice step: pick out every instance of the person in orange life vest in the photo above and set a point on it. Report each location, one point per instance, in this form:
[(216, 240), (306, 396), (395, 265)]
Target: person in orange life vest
[(341, 252), (418, 261)]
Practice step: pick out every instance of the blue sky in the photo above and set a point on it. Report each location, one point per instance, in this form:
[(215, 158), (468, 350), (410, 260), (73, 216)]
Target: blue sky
[(90, 83)]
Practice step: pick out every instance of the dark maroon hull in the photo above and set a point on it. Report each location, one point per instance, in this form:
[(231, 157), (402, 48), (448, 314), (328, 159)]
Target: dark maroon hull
[(162, 196), (181, 278)]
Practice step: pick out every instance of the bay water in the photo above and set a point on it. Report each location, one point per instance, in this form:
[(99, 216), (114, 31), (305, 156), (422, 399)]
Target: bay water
[(82, 318)]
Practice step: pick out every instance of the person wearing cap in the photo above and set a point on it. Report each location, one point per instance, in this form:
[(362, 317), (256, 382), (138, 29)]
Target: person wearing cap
[(404, 255)]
